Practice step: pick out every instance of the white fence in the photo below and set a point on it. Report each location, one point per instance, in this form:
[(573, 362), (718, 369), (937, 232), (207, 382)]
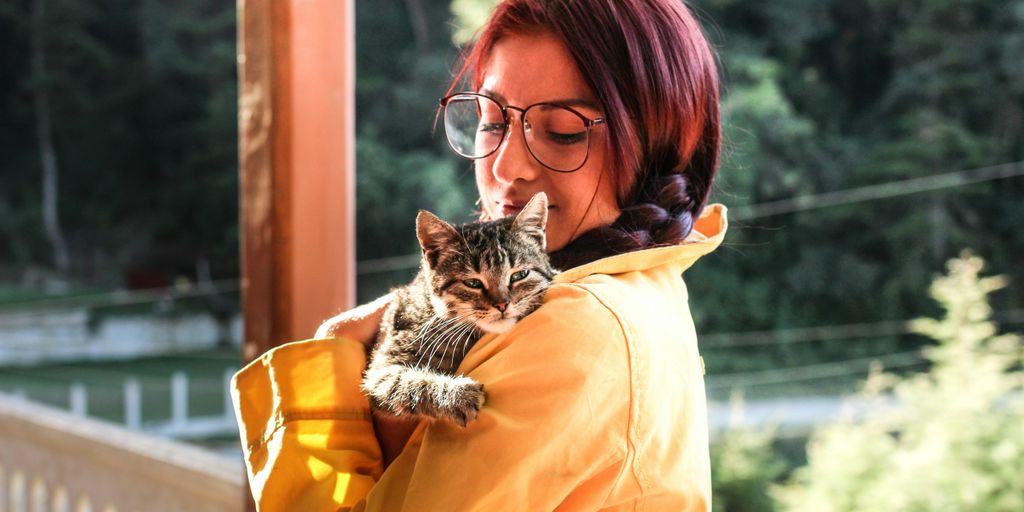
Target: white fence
[(52, 460), (33, 337), (180, 424)]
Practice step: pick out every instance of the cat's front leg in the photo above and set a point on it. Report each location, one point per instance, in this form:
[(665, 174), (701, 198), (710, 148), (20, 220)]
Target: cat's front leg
[(403, 390)]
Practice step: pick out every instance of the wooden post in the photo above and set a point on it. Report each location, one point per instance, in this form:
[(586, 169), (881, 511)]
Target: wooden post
[(296, 69), (297, 146)]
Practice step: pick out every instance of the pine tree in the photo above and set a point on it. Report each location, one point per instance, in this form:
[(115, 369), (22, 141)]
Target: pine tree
[(948, 439)]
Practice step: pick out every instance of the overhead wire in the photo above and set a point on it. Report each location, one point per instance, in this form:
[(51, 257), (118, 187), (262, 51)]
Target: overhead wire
[(885, 190), (814, 371), (828, 332), (879, 191)]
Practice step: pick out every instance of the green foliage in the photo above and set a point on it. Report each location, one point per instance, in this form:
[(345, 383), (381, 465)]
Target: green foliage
[(743, 468), (143, 102), (469, 15), (403, 163), (948, 439), (833, 95), (405, 182)]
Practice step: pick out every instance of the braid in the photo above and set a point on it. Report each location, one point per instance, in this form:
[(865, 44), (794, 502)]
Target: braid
[(663, 215)]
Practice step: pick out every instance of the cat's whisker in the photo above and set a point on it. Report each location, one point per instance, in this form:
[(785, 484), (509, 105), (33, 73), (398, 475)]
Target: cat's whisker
[(471, 334), (427, 326), (431, 334), (440, 341), (431, 347), (465, 344), (465, 334), (435, 340), (452, 339), (429, 350), (428, 343), (423, 352), (447, 326)]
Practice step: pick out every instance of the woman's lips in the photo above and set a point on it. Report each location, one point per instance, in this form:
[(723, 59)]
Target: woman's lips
[(508, 210), (513, 209)]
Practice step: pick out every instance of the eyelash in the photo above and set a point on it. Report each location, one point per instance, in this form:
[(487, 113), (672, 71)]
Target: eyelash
[(566, 139)]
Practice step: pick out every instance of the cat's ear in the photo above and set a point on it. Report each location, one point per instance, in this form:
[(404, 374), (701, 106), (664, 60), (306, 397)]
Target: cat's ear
[(533, 218), (434, 234)]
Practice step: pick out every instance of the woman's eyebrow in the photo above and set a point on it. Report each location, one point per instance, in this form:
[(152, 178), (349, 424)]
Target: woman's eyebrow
[(494, 94), (567, 102), (576, 102)]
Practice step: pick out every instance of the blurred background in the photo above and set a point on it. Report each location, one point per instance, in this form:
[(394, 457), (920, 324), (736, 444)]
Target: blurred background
[(868, 145)]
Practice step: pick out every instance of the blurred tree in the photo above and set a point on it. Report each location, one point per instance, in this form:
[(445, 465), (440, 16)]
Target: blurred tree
[(468, 16), (141, 101), (44, 132), (842, 94), (403, 163), (743, 467), (949, 439), (46, 41)]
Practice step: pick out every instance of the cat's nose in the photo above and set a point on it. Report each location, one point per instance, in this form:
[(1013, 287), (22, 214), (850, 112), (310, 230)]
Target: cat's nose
[(501, 306)]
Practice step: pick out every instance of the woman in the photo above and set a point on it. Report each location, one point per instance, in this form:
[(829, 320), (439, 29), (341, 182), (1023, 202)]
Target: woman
[(596, 400)]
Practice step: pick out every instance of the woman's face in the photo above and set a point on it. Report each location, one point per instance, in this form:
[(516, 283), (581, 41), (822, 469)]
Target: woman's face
[(522, 70)]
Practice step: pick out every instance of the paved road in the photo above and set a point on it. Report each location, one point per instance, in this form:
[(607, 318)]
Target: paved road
[(790, 415)]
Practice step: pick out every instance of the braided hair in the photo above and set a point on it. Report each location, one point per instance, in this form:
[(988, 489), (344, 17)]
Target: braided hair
[(651, 67)]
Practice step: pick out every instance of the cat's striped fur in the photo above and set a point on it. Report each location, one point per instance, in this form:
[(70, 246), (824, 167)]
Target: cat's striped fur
[(474, 278)]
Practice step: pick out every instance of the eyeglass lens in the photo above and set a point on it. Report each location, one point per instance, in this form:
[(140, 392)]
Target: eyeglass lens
[(555, 136)]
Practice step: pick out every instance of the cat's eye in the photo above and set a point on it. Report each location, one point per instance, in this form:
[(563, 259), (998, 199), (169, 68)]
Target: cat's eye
[(474, 283), (519, 275)]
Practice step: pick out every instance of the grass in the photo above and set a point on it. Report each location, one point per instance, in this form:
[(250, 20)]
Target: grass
[(19, 295)]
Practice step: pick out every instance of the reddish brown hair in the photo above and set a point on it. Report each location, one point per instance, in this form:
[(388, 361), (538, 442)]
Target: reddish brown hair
[(652, 69)]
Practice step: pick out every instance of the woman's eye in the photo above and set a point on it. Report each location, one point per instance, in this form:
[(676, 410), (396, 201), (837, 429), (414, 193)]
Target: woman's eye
[(474, 283), (491, 127), (519, 276), (567, 138)]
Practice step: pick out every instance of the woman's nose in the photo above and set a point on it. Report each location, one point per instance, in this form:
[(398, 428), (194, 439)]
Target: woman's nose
[(513, 161)]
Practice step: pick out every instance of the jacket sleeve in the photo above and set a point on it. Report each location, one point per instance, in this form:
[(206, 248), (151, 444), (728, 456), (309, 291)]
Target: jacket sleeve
[(553, 432), (307, 437)]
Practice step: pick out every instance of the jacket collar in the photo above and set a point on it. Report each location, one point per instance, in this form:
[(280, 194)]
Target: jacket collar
[(707, 234)]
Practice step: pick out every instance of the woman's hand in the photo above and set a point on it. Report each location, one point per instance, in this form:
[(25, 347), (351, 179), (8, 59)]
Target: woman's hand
[(360, 324)]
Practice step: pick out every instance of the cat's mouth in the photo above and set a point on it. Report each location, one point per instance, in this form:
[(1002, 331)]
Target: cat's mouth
[(498, 325)]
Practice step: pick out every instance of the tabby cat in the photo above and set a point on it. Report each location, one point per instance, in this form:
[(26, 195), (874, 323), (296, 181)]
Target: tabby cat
[(475, 278)]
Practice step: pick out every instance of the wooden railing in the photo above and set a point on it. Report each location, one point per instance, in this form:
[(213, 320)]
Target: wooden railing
[(51, 460)]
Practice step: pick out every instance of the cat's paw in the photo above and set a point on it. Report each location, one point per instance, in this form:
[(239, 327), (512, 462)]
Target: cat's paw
[(464, 399)]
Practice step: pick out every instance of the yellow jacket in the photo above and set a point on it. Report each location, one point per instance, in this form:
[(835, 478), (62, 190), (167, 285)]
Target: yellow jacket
[(594, 402)]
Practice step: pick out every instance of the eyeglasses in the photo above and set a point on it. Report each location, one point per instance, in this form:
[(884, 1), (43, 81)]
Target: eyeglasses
[(556, 135)]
